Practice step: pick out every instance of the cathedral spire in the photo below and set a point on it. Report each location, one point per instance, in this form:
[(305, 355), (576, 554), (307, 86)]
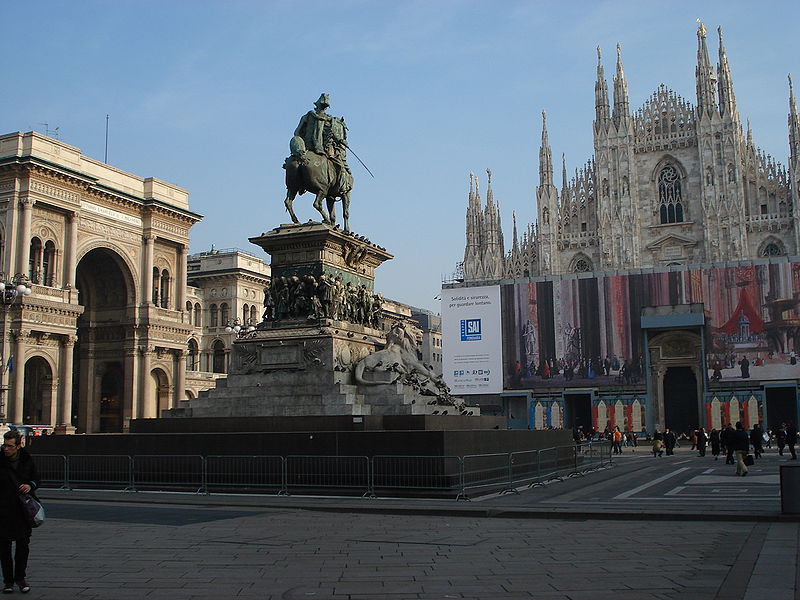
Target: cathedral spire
[(727, 101), (706, 103), (545, 156), (515, 246), (621, 107), (563, 173), (794, 128), (601, 95)]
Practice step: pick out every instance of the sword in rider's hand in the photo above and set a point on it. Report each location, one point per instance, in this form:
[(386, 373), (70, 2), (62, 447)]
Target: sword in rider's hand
[(358, 159)]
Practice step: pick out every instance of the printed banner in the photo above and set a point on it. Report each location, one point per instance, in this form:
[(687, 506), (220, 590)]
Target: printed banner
[(472, 340)]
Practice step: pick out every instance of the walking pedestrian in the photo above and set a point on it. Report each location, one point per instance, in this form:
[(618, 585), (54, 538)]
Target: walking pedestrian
[(791, 439), (616, 440), (741, 445), (669, 441), (715, 443), (780, 438), (702, 441), (757, 440), (727, 441), (17, 475)]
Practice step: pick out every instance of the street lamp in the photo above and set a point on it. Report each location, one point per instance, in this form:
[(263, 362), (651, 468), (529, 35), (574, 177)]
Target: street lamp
[(238, 329), (11, 292)]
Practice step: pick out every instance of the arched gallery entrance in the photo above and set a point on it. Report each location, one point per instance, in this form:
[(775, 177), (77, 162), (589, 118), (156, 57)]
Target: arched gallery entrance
[(38, 397), (101, 388)]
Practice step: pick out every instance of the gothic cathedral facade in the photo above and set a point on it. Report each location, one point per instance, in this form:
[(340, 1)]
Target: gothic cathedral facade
[(669, 184)]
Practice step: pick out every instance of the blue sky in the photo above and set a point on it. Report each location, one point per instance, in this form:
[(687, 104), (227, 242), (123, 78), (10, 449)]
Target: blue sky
[(206, 95)]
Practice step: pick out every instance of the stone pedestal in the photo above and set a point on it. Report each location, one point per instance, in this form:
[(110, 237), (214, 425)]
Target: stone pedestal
[(300, 363), (316, 248)]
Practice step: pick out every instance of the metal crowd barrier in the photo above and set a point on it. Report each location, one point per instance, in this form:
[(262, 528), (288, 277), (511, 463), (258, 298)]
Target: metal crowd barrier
[(384, 475)]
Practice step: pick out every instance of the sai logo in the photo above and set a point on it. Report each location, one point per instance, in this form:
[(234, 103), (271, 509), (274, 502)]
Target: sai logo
[(470, 330)]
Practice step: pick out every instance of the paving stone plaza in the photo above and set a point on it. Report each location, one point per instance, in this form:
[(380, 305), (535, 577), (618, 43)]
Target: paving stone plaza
[(714, 538)]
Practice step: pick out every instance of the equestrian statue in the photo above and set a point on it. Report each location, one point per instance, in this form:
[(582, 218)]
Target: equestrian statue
[(318, 163)]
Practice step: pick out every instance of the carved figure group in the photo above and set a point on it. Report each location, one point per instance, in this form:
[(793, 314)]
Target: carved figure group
[(326, 297)]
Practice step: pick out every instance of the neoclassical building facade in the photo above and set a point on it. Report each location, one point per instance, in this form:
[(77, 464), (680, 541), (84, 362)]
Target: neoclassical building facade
[(102, 337)]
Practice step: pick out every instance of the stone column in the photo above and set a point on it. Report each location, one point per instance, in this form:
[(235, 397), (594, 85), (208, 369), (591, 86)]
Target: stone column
[(71, 262), (180, 280), (18, 377), (180, 378), (24, 241), (147, 270), (132, 400), (64, 414), (146, 393)]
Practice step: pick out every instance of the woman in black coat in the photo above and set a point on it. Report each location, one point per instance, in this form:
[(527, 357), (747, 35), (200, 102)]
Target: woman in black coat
[(17, 475)]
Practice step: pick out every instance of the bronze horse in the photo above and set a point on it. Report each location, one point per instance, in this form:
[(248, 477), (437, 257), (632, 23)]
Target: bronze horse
[(318, 174)]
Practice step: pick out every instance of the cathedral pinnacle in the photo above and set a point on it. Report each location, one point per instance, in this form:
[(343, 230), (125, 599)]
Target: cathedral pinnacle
[(727, 101), (706, 101), (601, 95), (794, 128), (621, 105), (545, 156)]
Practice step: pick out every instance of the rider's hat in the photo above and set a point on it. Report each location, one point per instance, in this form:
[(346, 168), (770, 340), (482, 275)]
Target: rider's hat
[(323, 101)]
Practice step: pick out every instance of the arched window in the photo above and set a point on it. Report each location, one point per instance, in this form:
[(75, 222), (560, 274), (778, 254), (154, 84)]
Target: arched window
[(34, 260), (218, 357), (198, 315), (156, 279), (189, 313), (670, 196), (212, 314), (192, 356), (164, 289), (772, 250), (245, 314), (253, 315), (224, 315), (49, 264)]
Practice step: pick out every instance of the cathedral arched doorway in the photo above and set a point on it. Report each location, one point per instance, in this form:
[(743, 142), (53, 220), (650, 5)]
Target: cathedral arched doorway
[(680, 399), (159, 383), (38, 396), (676, 368), (101, 380)]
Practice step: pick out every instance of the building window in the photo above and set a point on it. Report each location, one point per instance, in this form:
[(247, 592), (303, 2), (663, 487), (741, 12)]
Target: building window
[(763, 209), (156, 279), (197, 315), (192, 356), (218, 357), (245, 314), (213, 316), (224, 315), (34, 260), (582, 266), (253, 315), (164, 289), (669, 195), (48, 264), (772, 250)]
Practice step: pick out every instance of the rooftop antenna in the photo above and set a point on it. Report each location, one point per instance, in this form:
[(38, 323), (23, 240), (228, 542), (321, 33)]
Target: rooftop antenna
[(50, 132), (105, 157)]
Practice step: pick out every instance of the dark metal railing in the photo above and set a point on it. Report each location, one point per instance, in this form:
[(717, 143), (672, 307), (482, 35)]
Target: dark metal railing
[(424, 476)]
